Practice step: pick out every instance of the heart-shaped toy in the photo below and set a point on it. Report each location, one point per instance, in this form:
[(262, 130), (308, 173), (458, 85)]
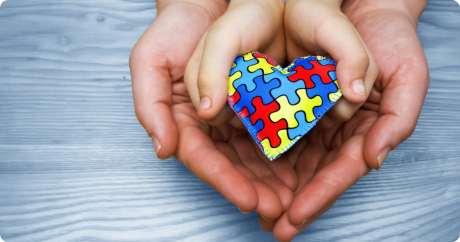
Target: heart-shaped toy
[(278, 106)]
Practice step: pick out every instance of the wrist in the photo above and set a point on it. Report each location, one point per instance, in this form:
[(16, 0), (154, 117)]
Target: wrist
[(273, 4), (412, 8), (214, 7), (334, 3)]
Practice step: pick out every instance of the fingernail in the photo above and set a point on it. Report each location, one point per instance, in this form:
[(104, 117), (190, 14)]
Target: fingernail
[(156, 144), (205, 103), (383, 155), (261, 215), (303, 222), (358, 87), (242, 211)]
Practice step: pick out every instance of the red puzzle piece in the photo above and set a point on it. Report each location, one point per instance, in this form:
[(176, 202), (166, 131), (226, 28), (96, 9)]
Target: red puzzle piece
[(317, 69), (270, 129)]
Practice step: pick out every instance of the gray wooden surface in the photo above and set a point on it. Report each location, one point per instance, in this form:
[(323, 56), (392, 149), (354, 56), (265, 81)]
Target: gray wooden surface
[(75, 165)]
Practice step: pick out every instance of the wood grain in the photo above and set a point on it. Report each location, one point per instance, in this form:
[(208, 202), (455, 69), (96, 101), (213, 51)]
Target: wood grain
[(75, 165)]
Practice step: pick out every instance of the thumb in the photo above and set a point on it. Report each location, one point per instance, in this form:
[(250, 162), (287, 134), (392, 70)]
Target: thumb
[(356, 68), (208, 92), (208, 71), (219, 51), (400, 107)]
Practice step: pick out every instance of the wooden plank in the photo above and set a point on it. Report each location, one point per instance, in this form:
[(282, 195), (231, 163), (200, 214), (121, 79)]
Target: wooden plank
[(75, 165)]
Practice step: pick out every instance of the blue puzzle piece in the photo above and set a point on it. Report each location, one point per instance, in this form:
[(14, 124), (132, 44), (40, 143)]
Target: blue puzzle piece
[(262, 90), (323, 90), (327, 62), (288, 88), (253, 129), (276, 75), (332, 75), (242, 66), (304, 63), (302, 127)]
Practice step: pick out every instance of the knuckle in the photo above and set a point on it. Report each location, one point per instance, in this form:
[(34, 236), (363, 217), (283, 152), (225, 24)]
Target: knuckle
[(204, 80), (141, 117), (138, 111), (343, 115), (133, 58), (217, 32), (362, 60), (409, 130)]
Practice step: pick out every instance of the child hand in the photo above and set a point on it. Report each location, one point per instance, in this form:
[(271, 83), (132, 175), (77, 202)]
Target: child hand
[(248, 25), (318, 27)]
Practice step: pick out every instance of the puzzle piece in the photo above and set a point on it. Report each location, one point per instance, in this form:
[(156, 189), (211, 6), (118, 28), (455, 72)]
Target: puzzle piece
[(253, 128), (302, 127), (304, 71), (288, 111), (279, 106), (333, 97), (263, 65), (325, 70), (273, 152), (262, 113), (263, 90), (302, 74), (234, 98), (231, 79), (288, 88), (242, 65), (322, 90)]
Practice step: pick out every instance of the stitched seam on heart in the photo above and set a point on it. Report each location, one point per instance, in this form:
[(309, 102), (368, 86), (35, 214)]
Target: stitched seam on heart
[(324, 107)]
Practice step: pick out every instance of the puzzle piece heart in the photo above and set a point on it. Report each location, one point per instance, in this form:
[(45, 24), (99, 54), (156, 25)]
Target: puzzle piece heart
[(279, 106)]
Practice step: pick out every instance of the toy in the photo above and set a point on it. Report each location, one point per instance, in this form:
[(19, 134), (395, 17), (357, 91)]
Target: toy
[(279, 106)]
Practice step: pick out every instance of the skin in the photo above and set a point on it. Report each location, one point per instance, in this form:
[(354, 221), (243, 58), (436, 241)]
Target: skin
[(245, 27), (224, 157), (242, 29), (338, 157), (307, 180), (318, 27)]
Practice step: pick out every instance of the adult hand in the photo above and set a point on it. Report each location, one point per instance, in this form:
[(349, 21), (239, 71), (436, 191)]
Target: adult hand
[(224, 157), (248, 25), (318, 27), (336, 158), (158, 64)]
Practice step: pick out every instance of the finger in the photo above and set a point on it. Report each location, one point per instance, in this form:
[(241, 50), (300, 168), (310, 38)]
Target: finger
[(236, 122), (283, 230), (356, 69), (214, 168), (294, 152), (268, 200), (269, 205), (327, 121), (330, 182), (152, 95), (191, 79), (152, 75), (335, 35), (267, 225), (307, 163), (214, 70), (228, 38), (249, 158), (400, 107), (282, 167)]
